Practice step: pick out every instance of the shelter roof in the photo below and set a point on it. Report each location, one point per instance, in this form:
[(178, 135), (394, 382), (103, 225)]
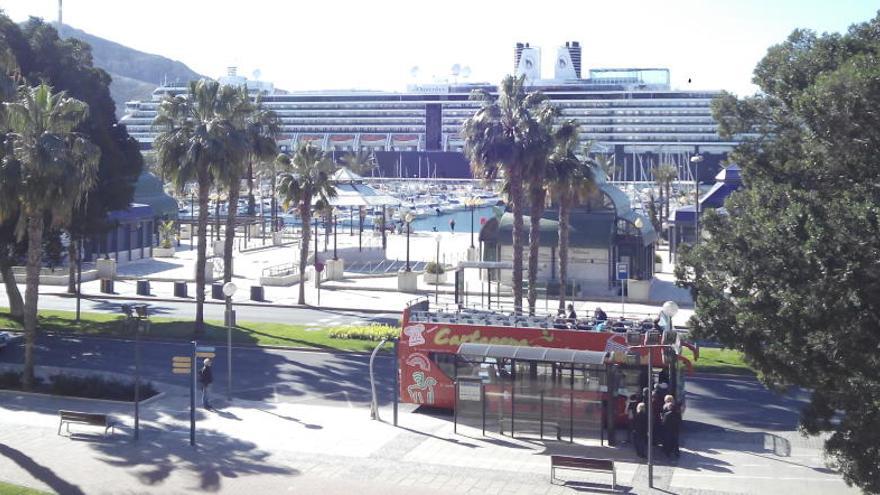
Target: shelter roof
[(528, 353)]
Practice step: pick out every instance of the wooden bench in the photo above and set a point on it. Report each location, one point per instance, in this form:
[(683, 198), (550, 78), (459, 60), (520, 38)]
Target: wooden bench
[(582, 464), (93, 419)]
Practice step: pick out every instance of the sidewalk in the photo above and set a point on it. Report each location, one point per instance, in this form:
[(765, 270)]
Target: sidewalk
[(265, 447)]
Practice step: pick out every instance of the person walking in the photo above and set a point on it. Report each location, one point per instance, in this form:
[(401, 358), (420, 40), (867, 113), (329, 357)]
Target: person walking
[(206, 377), (640, 430), (452, 225), (671, 427)]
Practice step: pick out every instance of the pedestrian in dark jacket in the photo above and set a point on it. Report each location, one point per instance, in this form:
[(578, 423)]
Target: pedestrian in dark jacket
[(671, 427), (206, 378), (657, 413), (640, 430)]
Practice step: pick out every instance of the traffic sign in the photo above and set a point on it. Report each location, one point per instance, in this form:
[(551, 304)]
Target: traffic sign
[(205, 348), (622, 271), (205, 354), (319, 267)]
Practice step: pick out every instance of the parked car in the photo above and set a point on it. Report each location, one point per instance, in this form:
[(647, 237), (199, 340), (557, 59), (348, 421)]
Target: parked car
[(5, 338)]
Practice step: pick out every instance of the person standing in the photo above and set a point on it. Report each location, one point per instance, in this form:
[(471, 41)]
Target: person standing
[(571, 314), (671, 427), (206, 377), (452, 225), (640, 430)]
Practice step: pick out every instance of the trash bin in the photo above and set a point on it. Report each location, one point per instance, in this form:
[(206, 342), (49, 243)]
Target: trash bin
[(107, 286), (143, 287), (257, 293), (217, 291), (179, 289)]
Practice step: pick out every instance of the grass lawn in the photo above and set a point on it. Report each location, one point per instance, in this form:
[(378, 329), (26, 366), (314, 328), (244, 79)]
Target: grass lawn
[(714, 360), (9, 489), (277, 334)]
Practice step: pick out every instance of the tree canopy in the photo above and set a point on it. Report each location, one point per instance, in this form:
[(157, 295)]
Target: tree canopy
[(791, 273)]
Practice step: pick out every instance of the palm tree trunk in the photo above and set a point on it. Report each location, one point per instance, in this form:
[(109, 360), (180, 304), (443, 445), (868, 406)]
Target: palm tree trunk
[(305, 214), (201, 256), (71, 266), (662, 202), (536, 204), (563, 249), (230, 232), (34, 262), (252, 202), (273, 215), (516, 195), (16, 304)]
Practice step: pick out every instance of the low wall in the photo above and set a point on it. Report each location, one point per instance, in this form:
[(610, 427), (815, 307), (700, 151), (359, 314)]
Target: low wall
[(48, 277)]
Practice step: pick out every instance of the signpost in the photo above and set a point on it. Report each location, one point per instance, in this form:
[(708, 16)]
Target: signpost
[(622, 276), (192, 397)]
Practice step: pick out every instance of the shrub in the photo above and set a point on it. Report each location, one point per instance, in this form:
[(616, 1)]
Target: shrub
[(367, 332), (91, 387), (434, 268), (166, 233), (657, 258)]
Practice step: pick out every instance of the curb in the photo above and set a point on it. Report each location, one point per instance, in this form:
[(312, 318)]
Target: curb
[(208, 301)]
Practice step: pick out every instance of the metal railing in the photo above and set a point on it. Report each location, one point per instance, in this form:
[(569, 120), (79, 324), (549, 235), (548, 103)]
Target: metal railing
[(281, 270)]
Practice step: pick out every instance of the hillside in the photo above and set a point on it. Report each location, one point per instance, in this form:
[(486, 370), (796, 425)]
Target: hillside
[(135, 74)]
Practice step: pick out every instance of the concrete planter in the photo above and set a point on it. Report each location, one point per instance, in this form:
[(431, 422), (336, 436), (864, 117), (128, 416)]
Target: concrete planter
[(209, 271), (407, 281), (160, 252), (638, 290), (333, 269), (277, 238), (106, 269), (434, 278)]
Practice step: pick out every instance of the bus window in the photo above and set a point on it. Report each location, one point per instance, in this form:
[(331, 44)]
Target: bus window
[(445, 361)]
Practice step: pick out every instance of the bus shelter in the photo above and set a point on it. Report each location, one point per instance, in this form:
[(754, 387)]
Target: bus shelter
[(528, 391)]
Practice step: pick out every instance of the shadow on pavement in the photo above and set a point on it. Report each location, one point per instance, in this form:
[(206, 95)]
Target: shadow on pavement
[(157, 456), (39, 472), (697, 436)]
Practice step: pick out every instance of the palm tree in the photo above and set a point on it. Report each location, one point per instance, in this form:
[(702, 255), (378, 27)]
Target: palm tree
[(571, 179), (49, 172), (360, 162), (237, 109), (263, 128), (310, 188), (502, 140), (191, 146), (605, 163), (664, 175), (272, 168)]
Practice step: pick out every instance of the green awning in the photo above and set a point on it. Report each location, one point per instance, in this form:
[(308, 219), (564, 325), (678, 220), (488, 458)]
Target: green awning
[(593, 230)]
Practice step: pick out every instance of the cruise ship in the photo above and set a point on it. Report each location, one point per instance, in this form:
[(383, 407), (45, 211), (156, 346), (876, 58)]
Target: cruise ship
[(631, 115)]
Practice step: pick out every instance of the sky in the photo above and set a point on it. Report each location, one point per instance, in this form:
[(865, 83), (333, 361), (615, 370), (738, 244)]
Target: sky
[(331, 44)]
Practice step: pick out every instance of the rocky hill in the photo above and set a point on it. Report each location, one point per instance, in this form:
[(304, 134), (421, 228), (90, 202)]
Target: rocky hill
[(135, 74)]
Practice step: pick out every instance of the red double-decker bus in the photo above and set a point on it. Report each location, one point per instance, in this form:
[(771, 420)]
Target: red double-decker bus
[(430, 340)]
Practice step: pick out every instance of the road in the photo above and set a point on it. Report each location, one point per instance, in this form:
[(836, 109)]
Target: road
[(343, 378)]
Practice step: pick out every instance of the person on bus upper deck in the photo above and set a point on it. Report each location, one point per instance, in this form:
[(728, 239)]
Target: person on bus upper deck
[(571, 314), (600, 315)]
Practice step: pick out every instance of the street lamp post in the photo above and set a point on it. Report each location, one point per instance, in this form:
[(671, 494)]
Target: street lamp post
[(696, 161), (335, 226), (79, 256), (437, 269), (408, 218), (361, 214), (654, 340), (135, 313), (229, 289)]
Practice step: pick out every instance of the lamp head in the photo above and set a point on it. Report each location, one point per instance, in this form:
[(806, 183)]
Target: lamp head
[(696, 158), (229, 289)]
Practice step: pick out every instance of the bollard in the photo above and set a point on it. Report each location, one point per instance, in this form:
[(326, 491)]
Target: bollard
[(106, 286), (143, 287), (257, 293), (179, 289), (217, 291)]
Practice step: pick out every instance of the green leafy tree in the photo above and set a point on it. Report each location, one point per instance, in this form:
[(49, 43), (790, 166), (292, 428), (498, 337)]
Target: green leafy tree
[(503, 139), (309, 188), (48, 173), (570, 180), (790, 275), (193, 146)]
